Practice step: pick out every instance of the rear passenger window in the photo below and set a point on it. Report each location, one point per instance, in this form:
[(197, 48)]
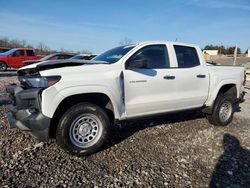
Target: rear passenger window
[(186, 56), (60, 57), (64, 56), (54, 57), (30, 53), (67, 56)]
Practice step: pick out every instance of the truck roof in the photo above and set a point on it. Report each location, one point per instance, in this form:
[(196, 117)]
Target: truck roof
[(168, 42), (23, 48)]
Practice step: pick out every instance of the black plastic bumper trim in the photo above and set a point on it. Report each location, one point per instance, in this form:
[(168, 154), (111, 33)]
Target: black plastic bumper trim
[(36, 123), (25, 113)]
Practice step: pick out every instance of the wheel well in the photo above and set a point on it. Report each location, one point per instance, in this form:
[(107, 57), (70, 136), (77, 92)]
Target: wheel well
[(229, 89), (99, 99), (4, 62)]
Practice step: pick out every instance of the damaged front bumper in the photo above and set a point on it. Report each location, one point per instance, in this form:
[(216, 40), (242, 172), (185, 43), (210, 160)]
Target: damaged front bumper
[(25, 112)]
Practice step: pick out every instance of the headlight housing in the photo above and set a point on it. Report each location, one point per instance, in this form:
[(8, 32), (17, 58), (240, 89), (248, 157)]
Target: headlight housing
[(39, 82)]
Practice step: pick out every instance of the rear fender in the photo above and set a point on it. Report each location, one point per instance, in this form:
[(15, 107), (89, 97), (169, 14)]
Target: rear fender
[(214, 92)]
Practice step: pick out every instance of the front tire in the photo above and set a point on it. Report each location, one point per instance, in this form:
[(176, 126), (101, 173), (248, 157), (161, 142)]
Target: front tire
[(223, 111), (83, 129), (3, 66)]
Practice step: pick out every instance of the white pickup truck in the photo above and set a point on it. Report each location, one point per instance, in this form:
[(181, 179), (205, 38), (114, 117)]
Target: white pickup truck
[(77, 101)]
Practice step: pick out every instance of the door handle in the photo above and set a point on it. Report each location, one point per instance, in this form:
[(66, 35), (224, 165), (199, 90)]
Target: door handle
[(201, 76), (169, 77)]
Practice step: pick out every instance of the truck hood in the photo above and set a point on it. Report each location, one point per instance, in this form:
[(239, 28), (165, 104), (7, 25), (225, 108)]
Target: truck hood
[(45, 65)]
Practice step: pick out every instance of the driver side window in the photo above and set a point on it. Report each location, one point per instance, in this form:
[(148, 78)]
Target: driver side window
[(149, 57), (18, 53)]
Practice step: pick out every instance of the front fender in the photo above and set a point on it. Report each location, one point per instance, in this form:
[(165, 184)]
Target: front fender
[(51, 97)]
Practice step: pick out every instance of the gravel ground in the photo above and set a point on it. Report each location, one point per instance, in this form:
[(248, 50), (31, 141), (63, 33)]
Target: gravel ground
[(177, 150)]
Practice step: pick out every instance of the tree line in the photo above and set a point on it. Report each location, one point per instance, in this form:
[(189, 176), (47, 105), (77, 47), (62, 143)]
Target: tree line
[(40, 48), (222, 49), (43, 49)]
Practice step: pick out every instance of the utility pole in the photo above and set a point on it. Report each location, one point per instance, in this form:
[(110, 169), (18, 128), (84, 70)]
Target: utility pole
[(220, 48), (235, 54)]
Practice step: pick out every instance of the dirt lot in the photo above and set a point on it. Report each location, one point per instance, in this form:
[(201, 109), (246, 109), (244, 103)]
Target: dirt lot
[(224, 60), (177, 150)]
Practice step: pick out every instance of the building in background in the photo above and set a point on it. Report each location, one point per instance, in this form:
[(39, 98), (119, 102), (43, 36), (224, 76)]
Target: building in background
[(210, 52), (248, 53)]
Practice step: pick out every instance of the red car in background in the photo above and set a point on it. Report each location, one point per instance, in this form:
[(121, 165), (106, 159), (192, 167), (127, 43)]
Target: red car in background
[(14, 58)]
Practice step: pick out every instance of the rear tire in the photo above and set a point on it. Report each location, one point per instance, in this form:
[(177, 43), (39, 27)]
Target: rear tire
[(3, 66), (83, 129), (223, 111)]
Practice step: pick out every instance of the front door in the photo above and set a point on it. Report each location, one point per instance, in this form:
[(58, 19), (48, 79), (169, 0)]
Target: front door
[(148, 87), (16, 59)]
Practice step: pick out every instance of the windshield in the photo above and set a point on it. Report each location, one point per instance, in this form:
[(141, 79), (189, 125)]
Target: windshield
[(114, 55), (8, 52)]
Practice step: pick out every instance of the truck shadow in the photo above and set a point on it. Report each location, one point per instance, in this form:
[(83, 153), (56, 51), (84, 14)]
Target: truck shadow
[(237, 108), (5, 101), (123, 130), (233, 166)]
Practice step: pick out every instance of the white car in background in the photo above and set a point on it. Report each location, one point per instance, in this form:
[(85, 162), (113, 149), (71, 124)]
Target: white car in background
[(84, 56)]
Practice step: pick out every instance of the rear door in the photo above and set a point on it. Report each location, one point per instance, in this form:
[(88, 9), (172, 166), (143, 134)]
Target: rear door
[(30, 55), (191, 77)]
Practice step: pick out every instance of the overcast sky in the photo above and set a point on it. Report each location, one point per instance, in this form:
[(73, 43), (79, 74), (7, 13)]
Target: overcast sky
[(98, 25)]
